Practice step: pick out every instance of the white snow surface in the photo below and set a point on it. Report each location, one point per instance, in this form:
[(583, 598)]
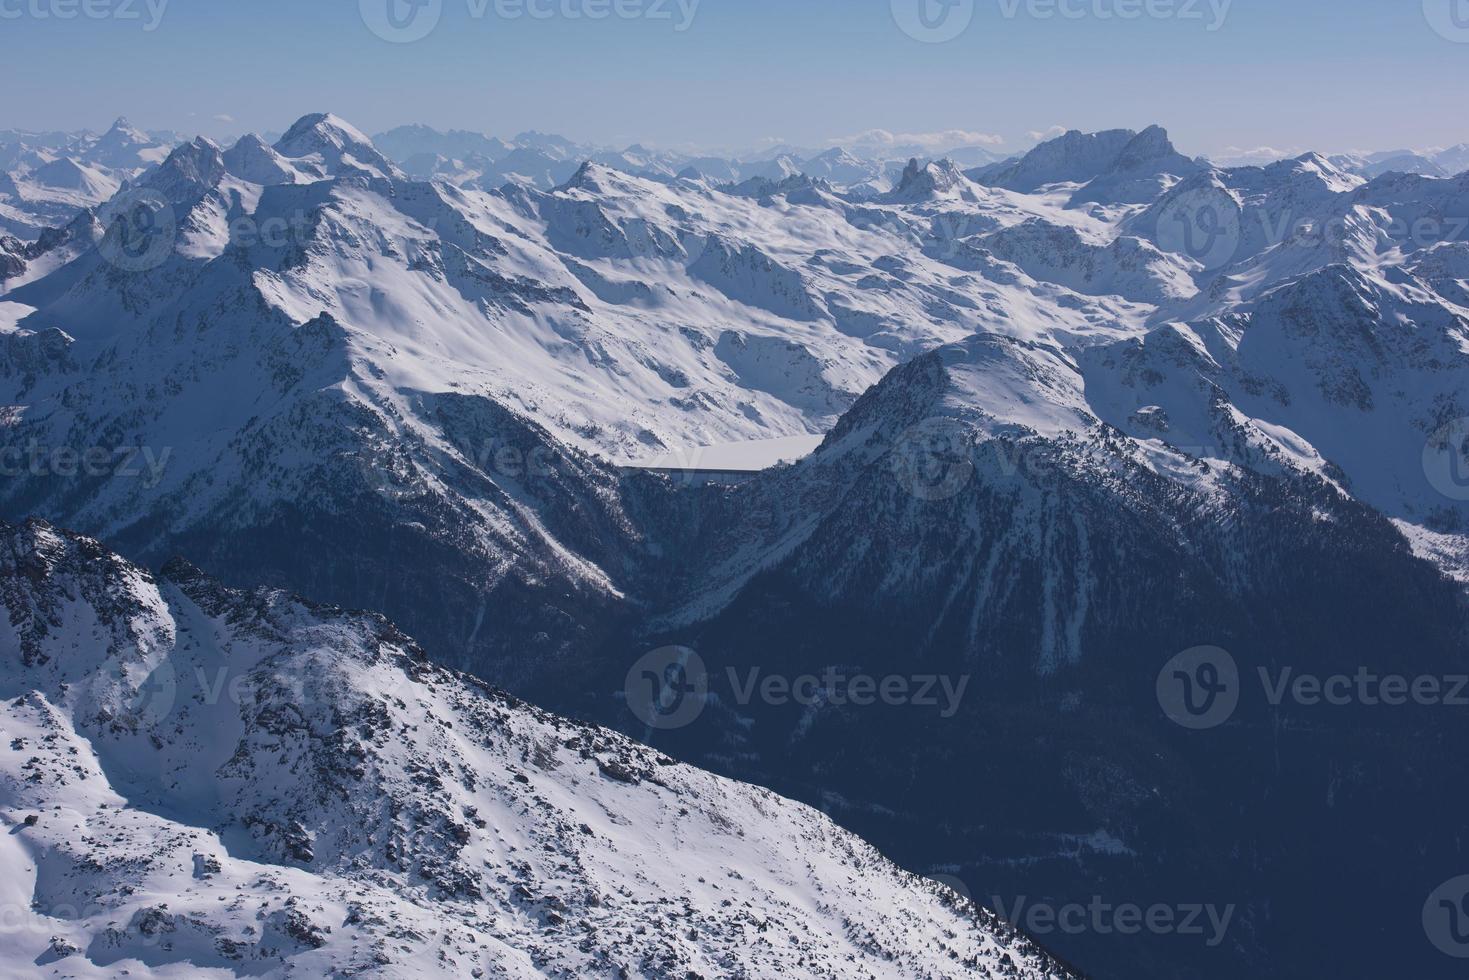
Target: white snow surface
[(740, 457), (642, 317), (199, 782)]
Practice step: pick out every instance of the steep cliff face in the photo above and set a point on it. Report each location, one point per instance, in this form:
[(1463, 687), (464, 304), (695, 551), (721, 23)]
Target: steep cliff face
[(1023, 589)]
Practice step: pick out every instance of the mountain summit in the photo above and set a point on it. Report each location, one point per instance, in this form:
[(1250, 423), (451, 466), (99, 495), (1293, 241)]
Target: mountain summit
[(337, 146)]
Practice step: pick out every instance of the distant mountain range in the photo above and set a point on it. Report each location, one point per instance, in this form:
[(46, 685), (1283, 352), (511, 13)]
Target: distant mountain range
[(48, 176), (1078, 412)]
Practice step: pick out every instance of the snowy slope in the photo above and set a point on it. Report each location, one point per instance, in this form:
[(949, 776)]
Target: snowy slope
[(212, 782), (47, 178), (343, 347), (468, 159), (407, 394), (613, 308), (972, 518)]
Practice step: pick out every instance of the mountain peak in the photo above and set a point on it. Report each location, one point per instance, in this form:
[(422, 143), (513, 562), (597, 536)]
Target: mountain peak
[(325, 124), (250, 141), (938, 178), (189, 171), (336, 144), (1315, 167), (592, 176), (1073, 157), (1151, 142), (123, 130), (252, 159)]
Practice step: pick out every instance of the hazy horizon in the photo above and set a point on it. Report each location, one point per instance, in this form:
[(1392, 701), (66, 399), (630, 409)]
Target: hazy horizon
[(933, 144), (1223, 76)]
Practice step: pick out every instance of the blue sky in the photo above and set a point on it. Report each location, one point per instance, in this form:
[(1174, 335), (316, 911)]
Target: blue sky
[(1323, 74)]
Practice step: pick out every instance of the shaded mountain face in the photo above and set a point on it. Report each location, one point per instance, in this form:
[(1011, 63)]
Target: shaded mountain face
[(1117, 167), (1061, 447), (201, 778), (1070, 158), (1025, 602), (396, 367)]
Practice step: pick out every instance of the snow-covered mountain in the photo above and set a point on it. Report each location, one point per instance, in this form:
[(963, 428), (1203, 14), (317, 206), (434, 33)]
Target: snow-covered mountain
[(47, 178), (545, 161), (369, 344), (406, 142), (242, 782), (1429, 163), (380, 340), (970, 518), (1183, 404), (1114, 167)]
